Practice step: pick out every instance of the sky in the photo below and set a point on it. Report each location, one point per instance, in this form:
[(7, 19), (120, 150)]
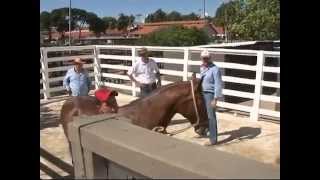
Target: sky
[(115, 7)]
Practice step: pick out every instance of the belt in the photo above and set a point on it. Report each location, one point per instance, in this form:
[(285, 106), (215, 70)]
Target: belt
[(148, 84)]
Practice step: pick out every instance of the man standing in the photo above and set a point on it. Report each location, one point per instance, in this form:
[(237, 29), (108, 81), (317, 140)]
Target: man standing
[(212, 91), (77, 81), (144, 73)]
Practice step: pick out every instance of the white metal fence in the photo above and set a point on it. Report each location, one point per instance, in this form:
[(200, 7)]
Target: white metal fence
[(97, 56)]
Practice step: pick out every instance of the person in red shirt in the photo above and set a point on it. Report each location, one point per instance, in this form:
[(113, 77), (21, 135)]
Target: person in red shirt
[(107, 99)]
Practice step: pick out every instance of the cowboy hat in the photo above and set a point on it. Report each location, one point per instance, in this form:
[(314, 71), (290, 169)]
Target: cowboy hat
[(143, 51), (205, 53), (78, 61)]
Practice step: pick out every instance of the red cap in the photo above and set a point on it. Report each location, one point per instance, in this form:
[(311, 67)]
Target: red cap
[(102, 94)]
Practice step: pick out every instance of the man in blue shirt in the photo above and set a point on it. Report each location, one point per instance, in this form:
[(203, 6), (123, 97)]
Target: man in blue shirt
[(212, 91), (77, 81)]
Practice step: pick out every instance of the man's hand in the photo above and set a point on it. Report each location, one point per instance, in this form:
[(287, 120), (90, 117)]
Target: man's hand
[(214, 103)]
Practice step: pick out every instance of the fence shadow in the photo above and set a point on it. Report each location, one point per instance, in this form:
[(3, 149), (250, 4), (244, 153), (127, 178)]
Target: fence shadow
[(57, 162), (48, 118)]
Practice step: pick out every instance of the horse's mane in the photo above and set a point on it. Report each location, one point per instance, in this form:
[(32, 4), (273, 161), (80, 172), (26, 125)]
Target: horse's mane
[(157, 91)]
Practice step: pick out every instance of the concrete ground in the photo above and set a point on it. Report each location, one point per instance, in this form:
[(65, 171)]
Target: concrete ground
[(255, 140)]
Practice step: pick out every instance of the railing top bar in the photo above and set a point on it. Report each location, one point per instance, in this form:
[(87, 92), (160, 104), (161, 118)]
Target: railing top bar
[(138, 47), (65, 48), (271, 53), (163, 48)]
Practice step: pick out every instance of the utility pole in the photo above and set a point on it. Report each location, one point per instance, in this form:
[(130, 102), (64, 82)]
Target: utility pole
[(204, 9), (69, 22), (225, 25)]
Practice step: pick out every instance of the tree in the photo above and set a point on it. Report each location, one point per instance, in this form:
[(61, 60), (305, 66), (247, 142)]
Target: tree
[(262, 21), (149, 18), (110, 22), (159, 16), (80, 18), (60, 21), (191, 16), (45, 23), (250, 19), (174, 16), (124, 21), (175, 36), (96, 24), (131, 19)]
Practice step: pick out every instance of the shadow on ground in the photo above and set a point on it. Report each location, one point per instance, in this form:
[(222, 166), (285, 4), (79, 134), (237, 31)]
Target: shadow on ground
[(48, 118), (240, 134)]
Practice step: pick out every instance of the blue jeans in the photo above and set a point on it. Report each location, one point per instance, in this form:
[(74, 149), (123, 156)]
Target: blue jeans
[(213, 136), (146, 89)]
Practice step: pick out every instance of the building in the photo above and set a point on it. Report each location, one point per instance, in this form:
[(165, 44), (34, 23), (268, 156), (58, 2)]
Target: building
[(211, 29)]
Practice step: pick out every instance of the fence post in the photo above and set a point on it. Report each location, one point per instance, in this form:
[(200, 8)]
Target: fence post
[(186, 56), (45, 74), (133, 59), (97, 67), (254, 114)]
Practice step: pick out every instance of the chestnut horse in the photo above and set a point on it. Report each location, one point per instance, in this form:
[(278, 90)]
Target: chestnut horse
[(152, 111)]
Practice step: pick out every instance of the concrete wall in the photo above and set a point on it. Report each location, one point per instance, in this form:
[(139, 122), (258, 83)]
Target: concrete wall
[(106, 147)]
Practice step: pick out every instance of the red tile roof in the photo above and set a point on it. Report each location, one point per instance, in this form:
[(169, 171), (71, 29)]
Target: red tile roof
[(151, 27)]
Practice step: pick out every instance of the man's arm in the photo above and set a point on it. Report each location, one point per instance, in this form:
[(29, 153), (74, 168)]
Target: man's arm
[(66, 82), (130, 73), (217, 87), (157, 74)]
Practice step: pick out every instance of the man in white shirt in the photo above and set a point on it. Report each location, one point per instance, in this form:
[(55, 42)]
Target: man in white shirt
[(144, 73)]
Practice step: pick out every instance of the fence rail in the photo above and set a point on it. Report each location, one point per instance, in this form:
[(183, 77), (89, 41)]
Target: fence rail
[(185, 62)]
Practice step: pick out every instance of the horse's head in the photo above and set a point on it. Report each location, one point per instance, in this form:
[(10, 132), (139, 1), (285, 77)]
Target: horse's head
[(187, 108)]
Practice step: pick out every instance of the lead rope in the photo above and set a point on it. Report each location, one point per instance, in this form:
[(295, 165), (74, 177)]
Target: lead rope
[(197, 114)]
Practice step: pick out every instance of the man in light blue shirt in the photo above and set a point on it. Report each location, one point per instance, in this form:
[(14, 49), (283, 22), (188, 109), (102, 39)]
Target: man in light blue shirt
[(212, 91), (77, 81)]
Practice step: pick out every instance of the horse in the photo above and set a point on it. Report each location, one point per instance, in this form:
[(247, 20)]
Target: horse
[(154, 110)]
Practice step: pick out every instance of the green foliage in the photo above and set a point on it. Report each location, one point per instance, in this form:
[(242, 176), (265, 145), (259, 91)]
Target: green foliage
[(45, 22), (191, 16), (60, 21), (110, 22), (174, 16), (124, 21), (96, 24), (160, 16), (79, 17), (250, 19), (175, 36)]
